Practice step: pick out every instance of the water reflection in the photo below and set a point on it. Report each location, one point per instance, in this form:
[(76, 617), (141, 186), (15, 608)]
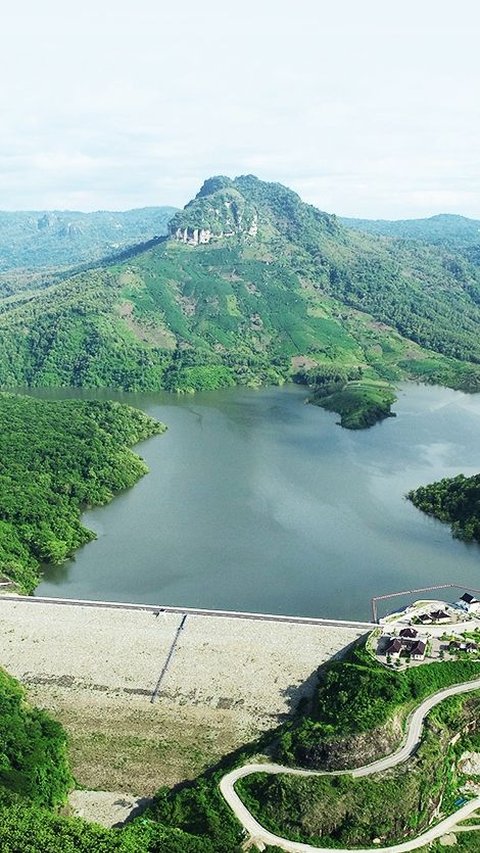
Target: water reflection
[(256, 501)]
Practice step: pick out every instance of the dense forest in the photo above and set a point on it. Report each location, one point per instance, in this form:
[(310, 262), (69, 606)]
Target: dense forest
[(300, 289), (55, 459), (444, 229), (46, 239), (455, 500)]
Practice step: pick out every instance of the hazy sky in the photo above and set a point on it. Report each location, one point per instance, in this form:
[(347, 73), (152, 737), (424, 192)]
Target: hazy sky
[(365, 107)]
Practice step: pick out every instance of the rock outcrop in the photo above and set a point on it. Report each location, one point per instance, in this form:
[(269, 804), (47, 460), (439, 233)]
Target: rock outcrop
[(219, 211)]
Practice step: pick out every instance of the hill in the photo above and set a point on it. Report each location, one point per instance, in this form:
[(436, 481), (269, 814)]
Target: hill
[(445, 229), (57, 458), (455, 500), (39, 240), (252, 286)]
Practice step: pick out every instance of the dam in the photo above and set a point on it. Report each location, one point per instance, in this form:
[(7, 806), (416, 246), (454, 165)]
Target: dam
[(151, 695)]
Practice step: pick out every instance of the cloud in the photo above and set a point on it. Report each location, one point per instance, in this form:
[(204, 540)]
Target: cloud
[(363, 108)]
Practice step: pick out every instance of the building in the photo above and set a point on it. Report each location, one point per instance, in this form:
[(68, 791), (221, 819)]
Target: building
[(468, 603), (439, 616), (417, 651), (407, 643), (408, 633), (394, 648), (456, 646)]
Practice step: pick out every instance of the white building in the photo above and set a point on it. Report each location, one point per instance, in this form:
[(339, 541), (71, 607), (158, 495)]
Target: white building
[(468, 603)]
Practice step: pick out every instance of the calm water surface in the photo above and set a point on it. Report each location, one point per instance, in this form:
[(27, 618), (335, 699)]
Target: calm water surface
[(256, 501)]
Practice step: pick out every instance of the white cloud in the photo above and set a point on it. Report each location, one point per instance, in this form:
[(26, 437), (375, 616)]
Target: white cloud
[(367, 109)]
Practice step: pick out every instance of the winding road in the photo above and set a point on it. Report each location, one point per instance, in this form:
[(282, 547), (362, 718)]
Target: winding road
[(261, 836)]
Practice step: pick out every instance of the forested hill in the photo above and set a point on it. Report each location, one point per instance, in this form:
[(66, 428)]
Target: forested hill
[(455, 500), (55, 459), (38, 240), (253, 286), (442, 230)]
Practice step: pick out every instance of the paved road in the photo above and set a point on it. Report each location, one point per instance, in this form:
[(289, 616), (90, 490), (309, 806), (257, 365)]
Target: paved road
[(262, 836), (192, 611)]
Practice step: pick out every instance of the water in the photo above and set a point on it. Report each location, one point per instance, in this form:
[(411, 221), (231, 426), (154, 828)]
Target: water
[(255, 501)]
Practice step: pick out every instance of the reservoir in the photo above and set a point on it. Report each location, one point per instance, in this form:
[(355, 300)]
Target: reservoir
[(256, 501)]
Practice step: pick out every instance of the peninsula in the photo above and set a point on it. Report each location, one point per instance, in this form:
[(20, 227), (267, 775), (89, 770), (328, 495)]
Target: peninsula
[(58, 457)]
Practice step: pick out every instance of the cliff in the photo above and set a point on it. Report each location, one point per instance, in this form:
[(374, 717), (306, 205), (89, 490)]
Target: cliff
[(218, 211)]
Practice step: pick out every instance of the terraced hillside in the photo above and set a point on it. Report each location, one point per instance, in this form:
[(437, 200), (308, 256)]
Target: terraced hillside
[(252, 287)]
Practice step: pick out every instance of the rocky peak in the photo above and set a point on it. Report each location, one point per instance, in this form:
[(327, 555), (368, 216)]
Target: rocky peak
[(211, 185), (226, 208), (218, 211)]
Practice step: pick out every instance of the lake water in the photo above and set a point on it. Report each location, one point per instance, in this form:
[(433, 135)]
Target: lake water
[(255, 501)]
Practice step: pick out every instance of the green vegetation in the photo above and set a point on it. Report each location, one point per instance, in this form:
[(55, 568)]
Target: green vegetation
[(34, 782), (25, 828), (455, 500), (360, 405), (249, 308), (436, 371), (33, 760), (345, 811), (467, 842), (218, 207), (358, 695), (445, 229), (41, 240), (354, 696), (57, 458), (361, 402), (193, 817)]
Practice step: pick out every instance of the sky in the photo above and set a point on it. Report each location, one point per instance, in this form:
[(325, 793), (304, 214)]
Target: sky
[(367, 108)]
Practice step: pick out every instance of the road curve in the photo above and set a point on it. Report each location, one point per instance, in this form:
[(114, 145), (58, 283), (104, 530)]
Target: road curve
[(414, 729)]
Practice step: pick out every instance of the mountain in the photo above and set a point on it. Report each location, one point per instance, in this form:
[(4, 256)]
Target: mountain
[(445, 229), (252, 286), (37, 240)]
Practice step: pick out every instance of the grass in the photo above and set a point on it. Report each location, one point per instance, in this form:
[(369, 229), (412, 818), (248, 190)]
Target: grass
[(360, 404), (119, 746)]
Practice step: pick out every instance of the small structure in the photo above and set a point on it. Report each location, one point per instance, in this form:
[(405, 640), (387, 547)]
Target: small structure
[(394, 648), (439, 616), (408, 644), (408, 633), (417, 651), (468, 603), (456, 646)]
